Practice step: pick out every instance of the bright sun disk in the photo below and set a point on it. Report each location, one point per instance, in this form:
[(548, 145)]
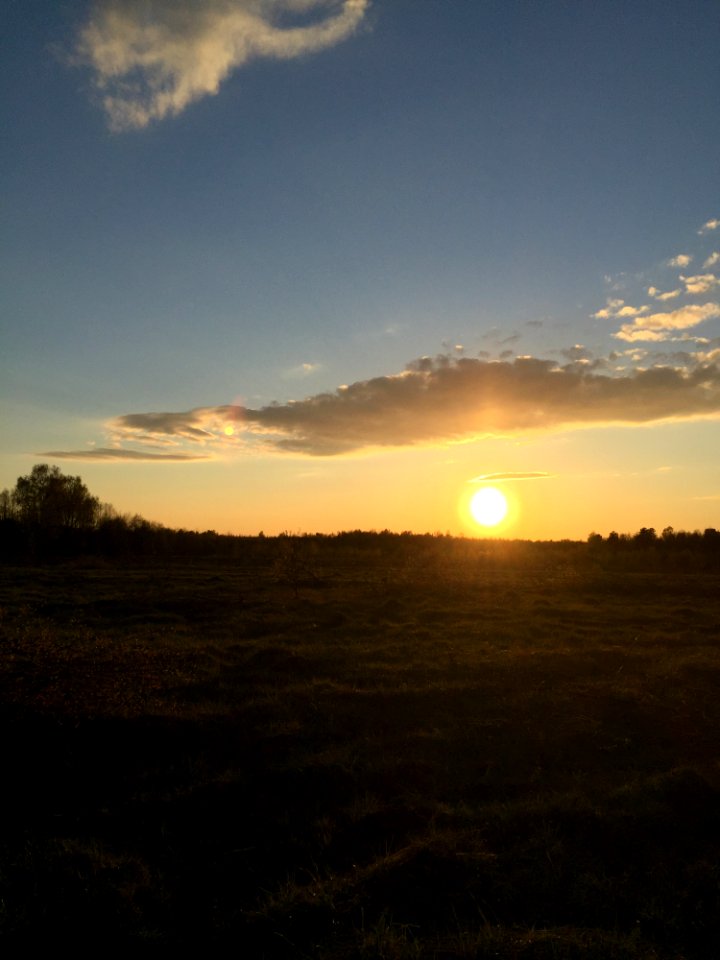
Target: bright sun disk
[(488, 506)]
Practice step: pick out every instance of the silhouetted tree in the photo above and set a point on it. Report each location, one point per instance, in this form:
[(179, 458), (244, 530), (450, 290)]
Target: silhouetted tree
[(645, 537), (7, 508), (49, 499)]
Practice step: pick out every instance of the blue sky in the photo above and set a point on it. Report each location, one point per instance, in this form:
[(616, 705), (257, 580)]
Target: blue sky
[(280, 199)]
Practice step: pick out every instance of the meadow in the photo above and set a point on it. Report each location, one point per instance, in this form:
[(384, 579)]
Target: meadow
[(369, 748)]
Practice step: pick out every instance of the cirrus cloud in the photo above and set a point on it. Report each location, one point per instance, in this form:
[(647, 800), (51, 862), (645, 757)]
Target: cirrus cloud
[(499, 477), (152, 58)]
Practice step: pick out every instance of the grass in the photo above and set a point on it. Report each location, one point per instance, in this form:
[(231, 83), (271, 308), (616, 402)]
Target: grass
[(458, 753)]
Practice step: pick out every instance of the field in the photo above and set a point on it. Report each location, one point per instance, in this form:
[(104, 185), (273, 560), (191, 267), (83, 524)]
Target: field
[(433, 749)]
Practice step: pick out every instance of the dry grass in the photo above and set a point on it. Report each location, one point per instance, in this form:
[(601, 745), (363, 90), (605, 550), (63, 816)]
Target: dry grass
[(444, 754)]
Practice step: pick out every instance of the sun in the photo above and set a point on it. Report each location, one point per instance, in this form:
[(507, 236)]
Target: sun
[(488, 506)]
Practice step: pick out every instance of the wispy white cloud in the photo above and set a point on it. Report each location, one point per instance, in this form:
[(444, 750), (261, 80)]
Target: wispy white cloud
[(302, 370), (610, 309), (712, 260), (668, 295), (499, 477), (661, 326), (635, 354), (708, 226), (152, 58), (707, 357), (701, 283), (618, 308), (442, 400), (681, 260)]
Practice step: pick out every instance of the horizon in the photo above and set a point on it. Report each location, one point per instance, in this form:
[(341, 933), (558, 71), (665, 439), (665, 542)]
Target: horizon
[(102, 513), (339, 265)]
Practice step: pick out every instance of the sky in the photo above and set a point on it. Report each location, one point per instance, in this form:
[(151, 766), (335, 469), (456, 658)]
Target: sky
[(322, 265)]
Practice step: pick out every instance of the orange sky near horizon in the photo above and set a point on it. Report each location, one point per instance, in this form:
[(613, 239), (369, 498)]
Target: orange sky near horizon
[(427, 490)]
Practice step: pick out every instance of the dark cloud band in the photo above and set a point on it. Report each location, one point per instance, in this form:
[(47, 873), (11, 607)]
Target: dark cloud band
[(105, 453), (441, 400)]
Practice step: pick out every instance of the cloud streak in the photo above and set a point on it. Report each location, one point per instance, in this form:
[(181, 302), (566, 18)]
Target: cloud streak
[(618, 308), (114, 453), (668, 295), (153, 58), (436, 401), (662, 326), (498, 477), (702, 283), (708, 226)]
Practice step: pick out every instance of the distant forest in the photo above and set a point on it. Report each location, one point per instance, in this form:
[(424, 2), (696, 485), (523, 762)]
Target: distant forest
[(49, 516)]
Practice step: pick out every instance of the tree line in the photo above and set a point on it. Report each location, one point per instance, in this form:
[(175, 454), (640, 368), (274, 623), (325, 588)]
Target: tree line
[(51, 516), (648, 537)]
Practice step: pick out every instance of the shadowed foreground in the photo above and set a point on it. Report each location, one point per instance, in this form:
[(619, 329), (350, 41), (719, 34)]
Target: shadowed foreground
[(451, 752)]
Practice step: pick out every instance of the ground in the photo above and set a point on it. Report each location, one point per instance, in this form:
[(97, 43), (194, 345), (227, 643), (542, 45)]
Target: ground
[(434, 749)]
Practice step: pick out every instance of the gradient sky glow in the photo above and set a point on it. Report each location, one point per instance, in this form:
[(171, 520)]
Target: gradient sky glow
[(314, 265)]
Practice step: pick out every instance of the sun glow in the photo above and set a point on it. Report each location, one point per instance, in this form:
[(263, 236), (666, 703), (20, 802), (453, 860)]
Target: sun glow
[(488, 506)]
